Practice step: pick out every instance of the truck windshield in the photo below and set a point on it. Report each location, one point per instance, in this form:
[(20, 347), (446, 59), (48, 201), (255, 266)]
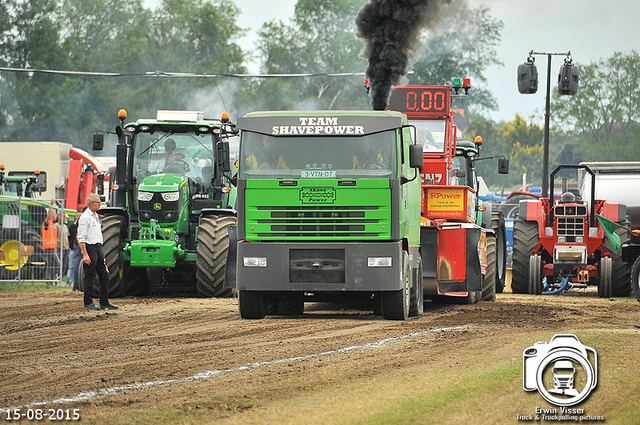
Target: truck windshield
[(430, 134), (367, 156), (180, 153)]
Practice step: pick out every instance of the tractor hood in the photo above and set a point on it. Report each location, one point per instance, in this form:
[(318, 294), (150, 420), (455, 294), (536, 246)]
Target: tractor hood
[(162, 183)]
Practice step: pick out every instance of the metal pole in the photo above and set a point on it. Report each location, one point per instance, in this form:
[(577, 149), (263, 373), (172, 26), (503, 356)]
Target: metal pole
[(545, 154)]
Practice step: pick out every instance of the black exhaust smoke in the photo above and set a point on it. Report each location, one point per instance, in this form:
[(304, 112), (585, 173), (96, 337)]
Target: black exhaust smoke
[(391, 30)]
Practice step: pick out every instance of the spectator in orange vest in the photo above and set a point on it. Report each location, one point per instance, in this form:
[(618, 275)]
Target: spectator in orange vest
[(50, 242)]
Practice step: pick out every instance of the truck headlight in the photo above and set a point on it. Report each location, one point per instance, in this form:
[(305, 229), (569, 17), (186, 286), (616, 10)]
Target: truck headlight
[(254, 261), (145, 196), (171, 196), (379, 262)]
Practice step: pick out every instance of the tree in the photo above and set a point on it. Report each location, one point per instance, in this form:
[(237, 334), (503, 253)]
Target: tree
[(518, 141), (466, 50), (320, 39), (601, 122)]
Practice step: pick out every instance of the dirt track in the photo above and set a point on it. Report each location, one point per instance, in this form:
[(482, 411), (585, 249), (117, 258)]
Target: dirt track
[(198, 359)]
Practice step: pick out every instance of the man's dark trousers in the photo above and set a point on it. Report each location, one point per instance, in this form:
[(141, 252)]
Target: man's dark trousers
[(93, 271)]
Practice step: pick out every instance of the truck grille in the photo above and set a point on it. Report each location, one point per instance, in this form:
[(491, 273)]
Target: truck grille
[(319, 222), (570, 227)]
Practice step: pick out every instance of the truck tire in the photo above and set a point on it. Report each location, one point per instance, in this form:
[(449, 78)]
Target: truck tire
[(635, 279), (605, 288), (525, 240), (416, 295), (212, 249), (112, 238), (535, 275), (620, 269), (489, 281), (291, 303), (500, 230), (252, 304), (395, 304)]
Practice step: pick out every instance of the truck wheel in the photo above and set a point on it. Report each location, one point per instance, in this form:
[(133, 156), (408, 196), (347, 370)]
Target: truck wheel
[(605, 289), (112, 239), (619, 269), (252, 304), (416, 295), (291, 303), (635, 279), (525, 240), (489, 281), (395, 304), (535, 275), (212, 247), (500, 230)]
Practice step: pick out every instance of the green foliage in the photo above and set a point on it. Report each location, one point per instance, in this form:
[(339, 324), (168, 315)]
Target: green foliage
[(518, 141), (601, 122), (118, 36)]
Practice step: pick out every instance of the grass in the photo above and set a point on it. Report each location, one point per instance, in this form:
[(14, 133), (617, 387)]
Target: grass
[(9, 287)]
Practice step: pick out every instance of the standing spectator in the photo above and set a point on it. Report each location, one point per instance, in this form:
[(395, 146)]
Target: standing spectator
[(50, 243), (93, 261), (63, 231), (74, 253)]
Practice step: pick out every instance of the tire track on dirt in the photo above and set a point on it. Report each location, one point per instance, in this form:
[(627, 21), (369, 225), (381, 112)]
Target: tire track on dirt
[(208, 374)]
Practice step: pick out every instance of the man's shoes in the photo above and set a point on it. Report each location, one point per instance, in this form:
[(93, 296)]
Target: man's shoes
[(91, 306), (108, 307)]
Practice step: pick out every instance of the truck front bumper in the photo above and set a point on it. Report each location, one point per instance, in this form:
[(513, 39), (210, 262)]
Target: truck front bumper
[(313, 267)]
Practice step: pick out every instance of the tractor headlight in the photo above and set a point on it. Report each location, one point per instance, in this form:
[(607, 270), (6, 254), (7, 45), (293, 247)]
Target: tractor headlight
[(562, 239), (579, 239), (171, 196), (145, 196)]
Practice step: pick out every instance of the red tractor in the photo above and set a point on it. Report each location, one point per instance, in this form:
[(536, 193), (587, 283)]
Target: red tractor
[(560, 244), (463, 241)]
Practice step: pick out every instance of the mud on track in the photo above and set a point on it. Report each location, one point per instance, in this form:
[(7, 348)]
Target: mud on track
[(196, 355)]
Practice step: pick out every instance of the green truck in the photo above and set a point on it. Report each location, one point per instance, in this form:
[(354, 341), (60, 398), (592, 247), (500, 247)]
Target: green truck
[(328, 208), (171, 205)]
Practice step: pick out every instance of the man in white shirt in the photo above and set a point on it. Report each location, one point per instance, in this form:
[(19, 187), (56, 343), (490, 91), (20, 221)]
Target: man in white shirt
[(93, 261)]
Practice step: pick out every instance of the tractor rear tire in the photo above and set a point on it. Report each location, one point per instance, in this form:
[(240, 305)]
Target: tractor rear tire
[(252, 304), (212, 248), (500, 230), (416, 295), (489, 281), (620, 269), (605, 283), (395, 304), (635, 279), (535, 275), (525, 240)]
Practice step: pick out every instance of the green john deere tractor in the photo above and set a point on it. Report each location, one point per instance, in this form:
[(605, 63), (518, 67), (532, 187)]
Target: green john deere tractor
[(171, 220)]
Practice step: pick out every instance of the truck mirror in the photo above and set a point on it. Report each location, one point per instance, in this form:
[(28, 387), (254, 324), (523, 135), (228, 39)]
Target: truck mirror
[(568, 79), (527, 78), (98, 142), (415, 156), (222, 155), (503, 166)]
